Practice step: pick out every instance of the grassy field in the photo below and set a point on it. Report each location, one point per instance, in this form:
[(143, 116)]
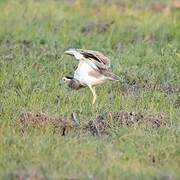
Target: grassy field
[(142, 39)]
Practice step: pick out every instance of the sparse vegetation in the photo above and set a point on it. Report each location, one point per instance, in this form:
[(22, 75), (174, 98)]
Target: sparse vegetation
[(132, 132)]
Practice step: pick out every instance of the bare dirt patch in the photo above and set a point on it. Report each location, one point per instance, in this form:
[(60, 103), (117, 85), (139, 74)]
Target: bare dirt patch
[(133, 119), (105, 123), (59, 125), (102, 124)]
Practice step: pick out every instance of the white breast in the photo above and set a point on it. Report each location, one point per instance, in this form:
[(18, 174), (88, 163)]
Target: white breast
[(82, 70), (82, 74)]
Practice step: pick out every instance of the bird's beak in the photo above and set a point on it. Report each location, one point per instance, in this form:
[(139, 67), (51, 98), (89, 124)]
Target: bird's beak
[(63, 83)]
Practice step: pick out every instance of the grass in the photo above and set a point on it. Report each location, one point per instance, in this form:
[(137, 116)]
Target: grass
[(143, 44)]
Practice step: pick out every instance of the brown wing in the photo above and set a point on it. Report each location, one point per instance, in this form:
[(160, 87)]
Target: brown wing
[(100, 60), (111, 76)]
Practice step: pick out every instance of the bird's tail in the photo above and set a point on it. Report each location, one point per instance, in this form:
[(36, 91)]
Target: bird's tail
[(111, 76), (114, 77)]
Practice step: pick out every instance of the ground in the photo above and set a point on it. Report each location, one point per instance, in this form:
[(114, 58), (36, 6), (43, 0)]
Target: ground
[(140, 135)]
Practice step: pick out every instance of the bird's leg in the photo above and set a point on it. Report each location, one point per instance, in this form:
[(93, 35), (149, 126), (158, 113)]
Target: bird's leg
[(94, 94)]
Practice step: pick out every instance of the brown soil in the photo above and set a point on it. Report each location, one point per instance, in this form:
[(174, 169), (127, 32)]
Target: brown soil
[(132, 119), (103, 124), (59, 125)]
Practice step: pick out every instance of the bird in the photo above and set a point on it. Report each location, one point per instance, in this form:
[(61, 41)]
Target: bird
[(93, 69), (72, 83)]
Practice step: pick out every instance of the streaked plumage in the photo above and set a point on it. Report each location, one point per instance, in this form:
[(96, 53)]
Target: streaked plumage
[(93, 69)]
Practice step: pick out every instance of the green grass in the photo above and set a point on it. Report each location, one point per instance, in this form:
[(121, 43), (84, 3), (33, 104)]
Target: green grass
[(33, 37)]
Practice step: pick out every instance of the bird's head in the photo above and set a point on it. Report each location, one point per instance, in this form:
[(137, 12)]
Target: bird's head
[(72, 83), (74, 52), (67, 79)]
